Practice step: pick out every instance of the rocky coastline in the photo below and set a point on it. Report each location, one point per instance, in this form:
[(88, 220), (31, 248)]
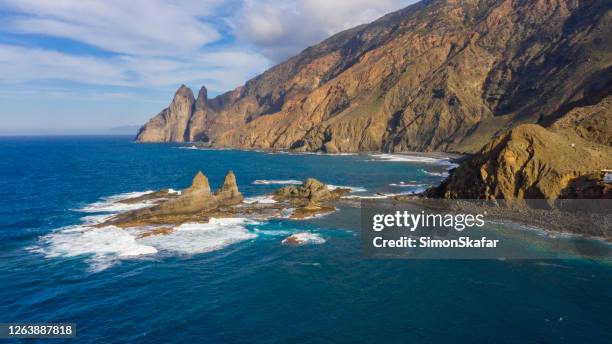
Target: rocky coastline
[(198, 203), (169, 209), (523, 88), (589, 218)]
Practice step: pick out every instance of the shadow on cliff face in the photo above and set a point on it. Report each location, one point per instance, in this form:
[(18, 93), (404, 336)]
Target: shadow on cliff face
[(590, 186)]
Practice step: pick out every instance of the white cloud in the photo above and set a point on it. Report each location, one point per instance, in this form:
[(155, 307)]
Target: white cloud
[(145, 49), (219, 70), (26, 64), (135, 27), (163, 43), (282, 29)]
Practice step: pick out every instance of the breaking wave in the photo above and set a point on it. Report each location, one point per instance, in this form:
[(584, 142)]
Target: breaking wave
[(112, 204), (108, 245), (105, 246), (414, 158), (193, 238), (189, 147), (415, 191), (276, 182), (408, 185), (265, 199), (443, 174), (303, 238), (352, 188)]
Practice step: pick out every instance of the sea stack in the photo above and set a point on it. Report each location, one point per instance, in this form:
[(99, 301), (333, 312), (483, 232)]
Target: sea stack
[(194, 203), (228, 194), (194, 199), (199, 184)]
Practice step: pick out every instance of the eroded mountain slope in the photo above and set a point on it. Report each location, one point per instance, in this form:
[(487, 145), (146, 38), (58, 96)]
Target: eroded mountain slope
[(435, 76)]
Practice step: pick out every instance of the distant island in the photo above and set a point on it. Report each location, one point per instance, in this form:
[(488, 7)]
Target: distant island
[(522, 87)]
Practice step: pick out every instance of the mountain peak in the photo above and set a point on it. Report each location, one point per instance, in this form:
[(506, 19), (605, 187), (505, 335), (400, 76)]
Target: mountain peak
[(436, 76), (199, 184), (184, 91), (202, 98)]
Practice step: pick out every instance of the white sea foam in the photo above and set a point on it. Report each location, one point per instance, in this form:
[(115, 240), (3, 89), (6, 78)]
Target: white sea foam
[(276, 181), (96, 219), (105, 246), (309, 153), (287, 212), (112, 204), (408, 185), (352, 188), (307, 264), (436, 174), (127, 195), (193, 238), (416, 190), (265, 199), (114, 207), (365, 196), (272, 232), (414, 158), (303, 238), (108, 245), (189, 147)]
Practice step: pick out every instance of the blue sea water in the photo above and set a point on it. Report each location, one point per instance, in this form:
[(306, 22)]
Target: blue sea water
[(257, 290)]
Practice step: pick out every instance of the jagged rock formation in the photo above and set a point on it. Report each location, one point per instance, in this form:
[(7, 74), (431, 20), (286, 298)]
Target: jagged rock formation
[(530, 161), (310, 198), (440, 75), (310, 191), (196, 199), (198, 204), (171, 124), (228, 193)]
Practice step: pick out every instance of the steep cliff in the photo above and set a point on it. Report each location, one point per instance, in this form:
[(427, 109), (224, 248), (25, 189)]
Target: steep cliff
[(564, 161), (170, 124), (435, 76)]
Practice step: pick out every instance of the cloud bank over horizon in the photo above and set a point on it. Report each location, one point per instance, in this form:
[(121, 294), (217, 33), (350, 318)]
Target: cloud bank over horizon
[(139, 51)]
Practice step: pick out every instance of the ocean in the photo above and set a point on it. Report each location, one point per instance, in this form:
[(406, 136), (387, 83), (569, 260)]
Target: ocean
[(232, 281)]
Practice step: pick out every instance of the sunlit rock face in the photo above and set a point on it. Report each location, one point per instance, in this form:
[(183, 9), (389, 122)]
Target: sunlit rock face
[(435, 76)]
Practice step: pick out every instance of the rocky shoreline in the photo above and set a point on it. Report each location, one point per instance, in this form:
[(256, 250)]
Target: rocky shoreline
[(589, 218), (168, 209), (198, 203), (452, 156)]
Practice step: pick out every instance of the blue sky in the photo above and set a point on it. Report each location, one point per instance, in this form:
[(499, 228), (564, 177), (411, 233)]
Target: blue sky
[(84, 66)]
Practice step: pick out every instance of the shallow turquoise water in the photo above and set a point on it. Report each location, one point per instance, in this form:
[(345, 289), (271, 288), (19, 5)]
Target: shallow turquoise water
[(257, 290)]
